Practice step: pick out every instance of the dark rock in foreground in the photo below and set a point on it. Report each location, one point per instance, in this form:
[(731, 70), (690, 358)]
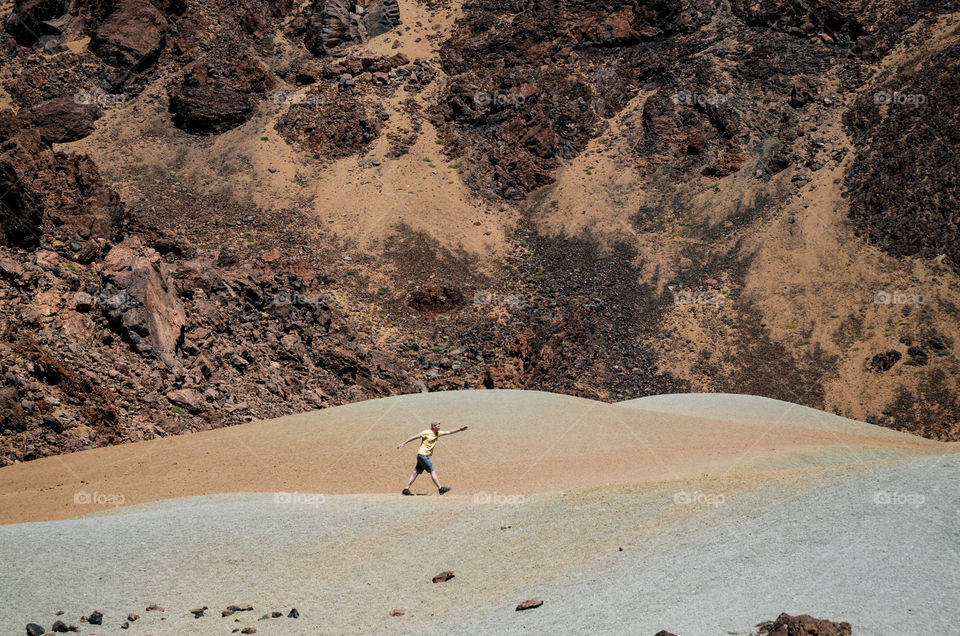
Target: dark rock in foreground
[(443, 576), (803, 625)]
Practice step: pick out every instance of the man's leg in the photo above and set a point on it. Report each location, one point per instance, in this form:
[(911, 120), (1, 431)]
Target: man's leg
[(412, 477), (433, 475)]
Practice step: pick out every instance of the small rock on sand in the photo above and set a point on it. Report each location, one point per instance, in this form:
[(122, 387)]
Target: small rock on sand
[(293, 613), (34, 630), (443, 576), (154, 608), (529, 605), (396, 612), (95, 619)]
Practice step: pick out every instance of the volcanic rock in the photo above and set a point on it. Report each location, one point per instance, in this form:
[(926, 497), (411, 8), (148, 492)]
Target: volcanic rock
[(803, 625), (61, 119), (132, 36), (443, 577), (532, 603)]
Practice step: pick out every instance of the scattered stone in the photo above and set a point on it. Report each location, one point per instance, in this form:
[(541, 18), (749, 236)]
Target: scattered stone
[(884, 361), (60, 627), (443, 577), (62, 119), (35, 630), (197, 613), (132, 617), (805, 625), (248, 630), (918, 355), (189, 399), (530, 604), (396, 612), (154, 608), (293, 613)]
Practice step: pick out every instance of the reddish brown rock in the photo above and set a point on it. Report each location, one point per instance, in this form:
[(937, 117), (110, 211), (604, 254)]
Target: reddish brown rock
[(131, 37), (149, 313), (803, 625), (77, 327), (27, 20), (218, 94), (62, 119), (431, 301), (189, 399), (336, 23), (47, 192), (443, 577), (530, 604)]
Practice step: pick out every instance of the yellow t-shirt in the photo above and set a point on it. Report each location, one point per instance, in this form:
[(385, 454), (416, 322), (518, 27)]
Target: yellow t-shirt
[(427, 442)]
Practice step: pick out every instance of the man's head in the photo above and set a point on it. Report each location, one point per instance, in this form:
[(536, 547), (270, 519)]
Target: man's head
[(435, 426)]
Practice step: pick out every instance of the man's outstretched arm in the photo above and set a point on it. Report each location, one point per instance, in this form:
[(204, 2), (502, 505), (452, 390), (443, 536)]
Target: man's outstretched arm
[(462, 428), (402, 444)]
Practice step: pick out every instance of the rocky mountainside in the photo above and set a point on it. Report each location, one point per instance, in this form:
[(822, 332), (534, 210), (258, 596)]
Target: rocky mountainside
[(213, 212)]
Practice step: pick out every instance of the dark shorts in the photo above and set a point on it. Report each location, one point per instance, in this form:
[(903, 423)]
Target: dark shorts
[(424, 464)]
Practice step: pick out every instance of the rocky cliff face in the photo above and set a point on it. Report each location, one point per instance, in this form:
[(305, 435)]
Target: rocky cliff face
[(673, 184)]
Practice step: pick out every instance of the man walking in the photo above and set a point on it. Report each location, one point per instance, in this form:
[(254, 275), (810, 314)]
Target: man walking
[(428, 439)]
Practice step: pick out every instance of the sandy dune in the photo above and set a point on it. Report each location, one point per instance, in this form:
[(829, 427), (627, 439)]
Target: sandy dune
[(624, 518), (518, 442)]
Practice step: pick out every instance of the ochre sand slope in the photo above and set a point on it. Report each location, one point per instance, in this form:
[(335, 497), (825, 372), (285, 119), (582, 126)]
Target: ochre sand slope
[(519, 442)]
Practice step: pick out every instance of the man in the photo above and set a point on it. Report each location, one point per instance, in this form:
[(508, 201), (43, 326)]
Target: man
[(428, 439)]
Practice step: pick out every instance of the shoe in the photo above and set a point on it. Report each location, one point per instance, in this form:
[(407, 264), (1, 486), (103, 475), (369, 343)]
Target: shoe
[(406, 491), (444, 489)]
